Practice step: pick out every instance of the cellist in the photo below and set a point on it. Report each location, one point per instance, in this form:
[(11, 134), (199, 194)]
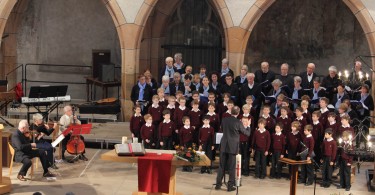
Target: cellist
[(65, 121), (40, 129)]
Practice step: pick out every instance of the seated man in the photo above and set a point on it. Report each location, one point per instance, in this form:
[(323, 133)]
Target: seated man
[(25, 151), (65, 121), (42, 129)]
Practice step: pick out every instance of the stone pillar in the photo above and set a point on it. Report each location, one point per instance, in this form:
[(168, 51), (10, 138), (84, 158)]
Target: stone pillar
[(236, 43)]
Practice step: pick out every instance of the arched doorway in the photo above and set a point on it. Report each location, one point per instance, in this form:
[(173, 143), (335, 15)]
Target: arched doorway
[(191, 27), (324, 32)]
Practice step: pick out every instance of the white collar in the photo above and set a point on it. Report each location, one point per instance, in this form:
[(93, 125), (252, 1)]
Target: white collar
[(187, 126), (225, 104), (286, 116), (295, 133), (155, 106), (161, 100), (228, 112), (136, 115), (171, 106), (330, 139), (278, 133), (208, 113), (332, 123), (204, 126), (343, 114), (305, 111), (309, 135), (265, 116), (300, 118), (246, 115), (148, 124), (323, 110), (315, 123), (250, 85), (346, 126), (164, 121), (197, 110), (261, 130), (347, 142), (182, 108)]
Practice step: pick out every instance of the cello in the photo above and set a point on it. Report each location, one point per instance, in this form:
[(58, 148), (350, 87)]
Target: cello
[(75, 145)]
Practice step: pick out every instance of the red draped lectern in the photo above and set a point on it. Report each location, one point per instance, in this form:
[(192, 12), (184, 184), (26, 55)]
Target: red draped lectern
[(5, 184), (294, 173), (112, 156)]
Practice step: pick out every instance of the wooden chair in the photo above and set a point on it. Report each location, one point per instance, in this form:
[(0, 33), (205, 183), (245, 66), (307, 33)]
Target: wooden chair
[(12, 152)]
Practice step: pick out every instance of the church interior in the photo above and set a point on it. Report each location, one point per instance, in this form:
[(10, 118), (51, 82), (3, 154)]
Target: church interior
[(103, 63)]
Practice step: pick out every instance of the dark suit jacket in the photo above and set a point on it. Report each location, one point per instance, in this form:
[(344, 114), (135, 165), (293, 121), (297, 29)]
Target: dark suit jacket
[(231, 128), (162, 72), (147, 95), (21, 145), (237, 80), (369, 102), (222, 78), (181, 87), (172, 90), (259, 79), (305, 84), (334, 99), (255, 91), (287, 80)]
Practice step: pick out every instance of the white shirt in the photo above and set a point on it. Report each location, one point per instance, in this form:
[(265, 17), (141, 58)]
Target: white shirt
[(284, 117), (300, 118), (187, 126), (197, 110), (332, 123), (278, 133), (250, 85), (246, 115), (309, 77), (309, 135), (211, 114), (155, 106), (330, 139), (148, 124), (323, 110), (266, 117), (171, 106), (165, 121), (261, 130), (316, 122), (135, 115), (182, 108), (347, 126), (295, 133), (204, 126)]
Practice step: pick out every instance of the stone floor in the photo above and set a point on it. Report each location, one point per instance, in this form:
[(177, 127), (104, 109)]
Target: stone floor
[(97, 176)]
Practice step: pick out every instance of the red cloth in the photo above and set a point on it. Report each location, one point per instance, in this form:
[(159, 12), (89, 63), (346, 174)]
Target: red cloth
[(154, 172)]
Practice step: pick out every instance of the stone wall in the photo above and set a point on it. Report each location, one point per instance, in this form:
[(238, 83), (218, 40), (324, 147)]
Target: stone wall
[(324, 32), (65, 32)]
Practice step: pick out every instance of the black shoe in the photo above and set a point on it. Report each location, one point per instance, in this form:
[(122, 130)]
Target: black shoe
[(232, 188), (217, 187), (83, 157), (308, 184), (209, 171), (300, 181), (203, 171), (347, 189), (327, 186), (262, 177), (340, 187), (48, 174), (53, 166)]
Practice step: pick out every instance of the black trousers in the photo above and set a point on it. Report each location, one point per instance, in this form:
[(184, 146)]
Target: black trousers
[(138, 135), (206, 147), (276, 165), (245, 157), (327, 171), (47, 147), (167, 143), (148, 145), (307, 172), (65, 141), (345, 174), (260, 164), (227, 163), (26, 162)]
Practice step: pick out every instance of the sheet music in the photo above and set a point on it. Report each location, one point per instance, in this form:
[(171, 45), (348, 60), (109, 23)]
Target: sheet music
[(124, 150), (58, 140), (218, 137)]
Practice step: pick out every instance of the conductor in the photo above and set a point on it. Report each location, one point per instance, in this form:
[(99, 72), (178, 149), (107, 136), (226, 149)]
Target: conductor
[(229, 145)]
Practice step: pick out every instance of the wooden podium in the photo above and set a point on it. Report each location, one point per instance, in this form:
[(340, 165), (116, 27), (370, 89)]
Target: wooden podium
[(293, 178), (112, 156), (5, 184)]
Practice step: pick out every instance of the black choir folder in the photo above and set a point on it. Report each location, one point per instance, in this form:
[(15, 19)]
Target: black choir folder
[(131, 149)]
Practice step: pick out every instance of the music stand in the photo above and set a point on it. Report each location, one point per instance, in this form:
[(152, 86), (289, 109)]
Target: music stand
[(78, 130), (294, 174)]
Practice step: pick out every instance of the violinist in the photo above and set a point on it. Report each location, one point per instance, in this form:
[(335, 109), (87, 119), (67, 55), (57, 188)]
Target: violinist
[(65, 121), (39, 129), (25, 151)]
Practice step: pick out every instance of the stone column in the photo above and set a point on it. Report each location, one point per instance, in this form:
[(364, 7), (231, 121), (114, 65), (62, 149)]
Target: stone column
[(236, 42)]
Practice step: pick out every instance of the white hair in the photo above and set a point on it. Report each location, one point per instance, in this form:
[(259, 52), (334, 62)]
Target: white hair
[(22, 124), (245, 67), (37, 116), (225, 61), (179, 55), (177, 74), (312, 64), (297, 79), (67, 108), (168, 59), (332, 68), (250, 74), (165, 78), (285, 64), (277, 82)]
